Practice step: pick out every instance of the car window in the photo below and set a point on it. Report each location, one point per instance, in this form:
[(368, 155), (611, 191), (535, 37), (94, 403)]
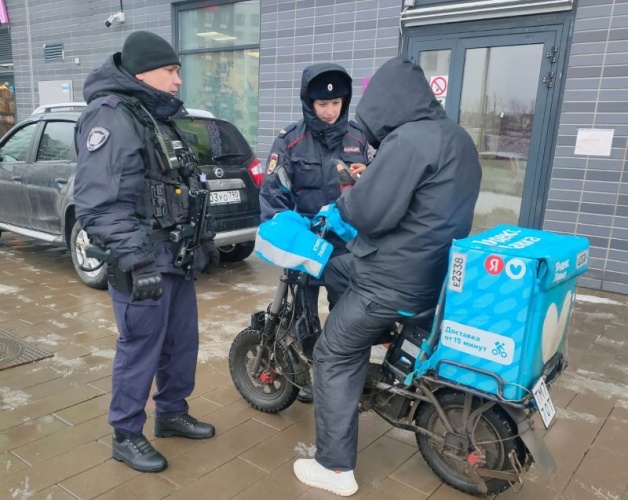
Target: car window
[(57, 142), (16, 148), (214, 140)]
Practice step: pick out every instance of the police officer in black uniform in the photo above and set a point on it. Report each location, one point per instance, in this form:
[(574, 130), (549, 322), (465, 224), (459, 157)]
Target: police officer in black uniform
[(137, 191), (306, 150)]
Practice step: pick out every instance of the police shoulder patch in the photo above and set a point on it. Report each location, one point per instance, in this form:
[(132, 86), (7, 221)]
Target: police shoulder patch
[(97, 138), (287, 130)]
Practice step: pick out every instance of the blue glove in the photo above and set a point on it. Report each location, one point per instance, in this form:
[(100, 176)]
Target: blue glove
[(334, 222)]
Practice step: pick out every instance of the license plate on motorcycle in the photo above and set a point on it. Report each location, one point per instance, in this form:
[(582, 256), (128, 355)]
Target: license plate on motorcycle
[(224, 197), (544, 402)]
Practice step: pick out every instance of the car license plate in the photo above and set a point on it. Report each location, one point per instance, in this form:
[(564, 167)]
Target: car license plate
[(544, 402), (224, 197)]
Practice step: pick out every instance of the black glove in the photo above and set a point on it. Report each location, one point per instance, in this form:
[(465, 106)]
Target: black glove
[(344, 178), (147, 282), (213, 256)]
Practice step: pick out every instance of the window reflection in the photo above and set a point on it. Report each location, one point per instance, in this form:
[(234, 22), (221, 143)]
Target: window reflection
[(219, 26), (497, 108), (219, 51)]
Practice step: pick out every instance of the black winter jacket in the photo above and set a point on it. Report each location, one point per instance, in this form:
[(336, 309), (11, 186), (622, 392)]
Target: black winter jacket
[(110, 188), (417, 195)]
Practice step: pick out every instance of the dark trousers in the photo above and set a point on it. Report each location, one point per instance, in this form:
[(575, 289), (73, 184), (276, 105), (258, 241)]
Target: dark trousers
[(340, 248), (341, 358), (158, 339)]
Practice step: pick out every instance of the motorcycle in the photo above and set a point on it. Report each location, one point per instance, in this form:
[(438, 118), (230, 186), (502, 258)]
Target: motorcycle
[(477, 442)]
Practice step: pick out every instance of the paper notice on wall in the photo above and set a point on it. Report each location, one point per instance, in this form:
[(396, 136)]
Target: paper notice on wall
[(594, 141)]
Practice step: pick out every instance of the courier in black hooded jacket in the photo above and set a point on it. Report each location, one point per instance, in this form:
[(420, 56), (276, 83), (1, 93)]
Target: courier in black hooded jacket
[(416, 196)]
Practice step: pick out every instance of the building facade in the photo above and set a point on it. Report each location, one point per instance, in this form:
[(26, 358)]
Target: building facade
[(542, 86)]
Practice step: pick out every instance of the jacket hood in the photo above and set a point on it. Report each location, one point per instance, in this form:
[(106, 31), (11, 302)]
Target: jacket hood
[(398, 93), (326, 133), (112, 78)]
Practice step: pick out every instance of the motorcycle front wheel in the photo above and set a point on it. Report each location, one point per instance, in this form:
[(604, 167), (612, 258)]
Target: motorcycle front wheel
[(495, 437), (272, 388)]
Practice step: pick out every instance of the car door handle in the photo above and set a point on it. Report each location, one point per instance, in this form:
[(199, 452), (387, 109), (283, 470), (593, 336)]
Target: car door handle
[(16, 178), (61, 181)]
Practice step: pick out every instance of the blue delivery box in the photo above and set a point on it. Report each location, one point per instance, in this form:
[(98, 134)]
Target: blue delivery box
[(509, 296)]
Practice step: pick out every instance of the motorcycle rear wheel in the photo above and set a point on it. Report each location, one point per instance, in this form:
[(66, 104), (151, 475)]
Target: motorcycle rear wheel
[(494, 433), (271, 391)]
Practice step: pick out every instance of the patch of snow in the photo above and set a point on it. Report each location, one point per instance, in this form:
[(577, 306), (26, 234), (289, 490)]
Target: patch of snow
[(12, 399), (597, 300), (22, 493), (586, 381), (8, 290), (51, 339), (254, 288), (574, 415), (305, 450), (104, 353), (57, 324)]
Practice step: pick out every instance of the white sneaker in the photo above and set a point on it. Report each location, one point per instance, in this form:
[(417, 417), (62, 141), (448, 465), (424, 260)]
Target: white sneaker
[(310, 472)]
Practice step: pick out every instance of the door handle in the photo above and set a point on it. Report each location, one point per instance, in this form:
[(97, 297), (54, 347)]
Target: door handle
[(61, 181), (16, 178)]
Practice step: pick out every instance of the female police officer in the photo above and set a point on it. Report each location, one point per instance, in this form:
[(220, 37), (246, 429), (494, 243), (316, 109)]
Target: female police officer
[(134, 174), (306, 150)]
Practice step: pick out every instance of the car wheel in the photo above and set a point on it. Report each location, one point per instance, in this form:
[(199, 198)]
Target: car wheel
[(91, 271), (237, 252)]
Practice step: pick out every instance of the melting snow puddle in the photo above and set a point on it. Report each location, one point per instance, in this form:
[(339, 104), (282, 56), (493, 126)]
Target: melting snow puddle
[(215, 340)]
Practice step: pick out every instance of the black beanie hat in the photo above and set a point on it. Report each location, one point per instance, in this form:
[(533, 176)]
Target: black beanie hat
[(144, 51), (329, 85)]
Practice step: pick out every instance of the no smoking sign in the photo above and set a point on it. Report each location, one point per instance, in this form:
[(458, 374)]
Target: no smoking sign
[(439, 85)]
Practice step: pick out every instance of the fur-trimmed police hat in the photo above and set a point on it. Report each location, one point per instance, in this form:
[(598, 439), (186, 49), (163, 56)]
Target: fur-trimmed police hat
[(329, 85), (144, 51)]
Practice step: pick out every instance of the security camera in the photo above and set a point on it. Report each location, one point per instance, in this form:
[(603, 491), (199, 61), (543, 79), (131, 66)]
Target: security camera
[(118, 17)]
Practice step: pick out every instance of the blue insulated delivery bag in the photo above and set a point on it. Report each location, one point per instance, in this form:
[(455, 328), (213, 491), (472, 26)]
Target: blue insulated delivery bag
[(508, 301), (287, 241)]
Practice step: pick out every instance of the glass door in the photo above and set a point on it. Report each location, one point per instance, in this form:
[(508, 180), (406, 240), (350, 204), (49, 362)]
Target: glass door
[(498, 88)]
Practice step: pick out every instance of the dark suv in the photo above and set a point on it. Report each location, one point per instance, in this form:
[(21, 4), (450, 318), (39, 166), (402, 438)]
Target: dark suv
[(37, 163)]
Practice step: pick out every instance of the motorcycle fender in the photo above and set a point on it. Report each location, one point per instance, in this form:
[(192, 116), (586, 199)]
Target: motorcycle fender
[(532, 440)]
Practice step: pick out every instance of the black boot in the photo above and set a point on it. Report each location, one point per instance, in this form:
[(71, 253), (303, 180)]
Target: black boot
[(305, 395), (135, 451), (183, 425)]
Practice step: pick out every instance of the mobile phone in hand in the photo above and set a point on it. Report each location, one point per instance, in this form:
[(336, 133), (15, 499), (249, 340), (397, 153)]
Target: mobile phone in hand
[(338, 161)]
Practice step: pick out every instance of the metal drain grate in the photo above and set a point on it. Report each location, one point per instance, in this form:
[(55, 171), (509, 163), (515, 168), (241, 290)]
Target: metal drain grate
[(14, 351)]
